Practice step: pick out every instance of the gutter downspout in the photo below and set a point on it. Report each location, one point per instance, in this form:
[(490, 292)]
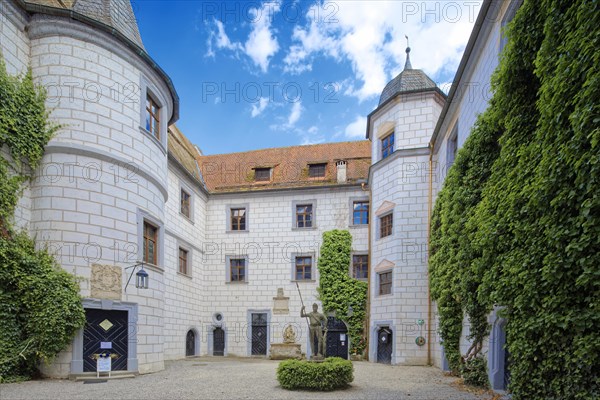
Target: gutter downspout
[(368, 311), (429, 211)]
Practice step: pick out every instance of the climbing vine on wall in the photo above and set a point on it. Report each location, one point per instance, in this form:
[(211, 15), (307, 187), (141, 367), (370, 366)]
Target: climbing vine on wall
[(338, 290), (41, 308), (524, 234)]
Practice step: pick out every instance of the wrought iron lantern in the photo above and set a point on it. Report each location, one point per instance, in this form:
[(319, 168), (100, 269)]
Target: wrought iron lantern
[(141, 277), (141, 281)]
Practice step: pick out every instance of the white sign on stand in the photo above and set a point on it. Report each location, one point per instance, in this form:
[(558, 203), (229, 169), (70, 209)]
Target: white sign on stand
[(103, 364)]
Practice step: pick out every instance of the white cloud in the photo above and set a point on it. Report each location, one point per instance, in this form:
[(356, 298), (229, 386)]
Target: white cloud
[(356, 129), (370, 36), (262, 43), (220, 40), (259, 107), (295, 114)]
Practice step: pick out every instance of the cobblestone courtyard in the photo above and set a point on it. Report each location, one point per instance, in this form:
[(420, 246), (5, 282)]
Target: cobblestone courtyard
[(229, 378)]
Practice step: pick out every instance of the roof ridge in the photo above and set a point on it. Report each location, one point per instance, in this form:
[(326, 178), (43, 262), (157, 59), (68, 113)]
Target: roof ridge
[(286, 147)]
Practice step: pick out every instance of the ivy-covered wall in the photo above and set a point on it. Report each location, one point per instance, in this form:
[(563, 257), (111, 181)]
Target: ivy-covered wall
[(517, 223), (338, 291), (41, 308)]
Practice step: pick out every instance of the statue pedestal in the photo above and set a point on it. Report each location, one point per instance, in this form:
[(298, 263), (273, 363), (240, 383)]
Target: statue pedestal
[(284, 351)]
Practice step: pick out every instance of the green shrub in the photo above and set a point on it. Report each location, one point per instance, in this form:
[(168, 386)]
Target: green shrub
[(333, 373), (474, 372), (40, 305)]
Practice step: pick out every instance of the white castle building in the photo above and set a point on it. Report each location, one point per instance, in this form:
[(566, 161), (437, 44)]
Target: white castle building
[(225, 239)]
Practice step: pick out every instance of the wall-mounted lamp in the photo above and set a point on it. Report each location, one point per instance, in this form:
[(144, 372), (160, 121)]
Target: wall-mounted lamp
[(141, 277)]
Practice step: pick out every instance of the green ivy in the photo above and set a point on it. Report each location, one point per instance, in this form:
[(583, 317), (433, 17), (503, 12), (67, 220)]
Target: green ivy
[(517, 223), (41, 308), (338, 291)]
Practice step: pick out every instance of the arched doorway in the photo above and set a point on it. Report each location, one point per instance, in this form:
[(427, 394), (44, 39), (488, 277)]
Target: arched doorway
[(498, 356), (218, 342), (337, 338), (385, 345), (190, 343)]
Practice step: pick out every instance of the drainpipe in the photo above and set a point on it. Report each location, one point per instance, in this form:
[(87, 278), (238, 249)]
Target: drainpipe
[(429, 210), (368, 311)]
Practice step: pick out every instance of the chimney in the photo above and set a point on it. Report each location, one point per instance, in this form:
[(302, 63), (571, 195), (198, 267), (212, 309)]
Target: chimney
[(341, 171)]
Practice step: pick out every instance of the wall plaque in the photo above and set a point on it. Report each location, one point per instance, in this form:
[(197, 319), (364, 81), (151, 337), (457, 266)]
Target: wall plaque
[(106, 282), (281, 304)]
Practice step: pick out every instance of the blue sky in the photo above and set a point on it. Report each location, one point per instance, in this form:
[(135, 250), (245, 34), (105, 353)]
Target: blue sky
[(257, 74)]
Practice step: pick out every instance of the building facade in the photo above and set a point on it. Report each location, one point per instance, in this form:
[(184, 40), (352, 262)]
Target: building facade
[(229, 241)]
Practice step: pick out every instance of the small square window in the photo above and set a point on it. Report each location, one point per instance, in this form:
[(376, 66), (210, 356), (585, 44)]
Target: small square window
[(183, 261), (238, 219), (386, 225), (360, 213), (360, 266), (385, 283), (304, 216), (387, 145), (303, 270), (152, 117), (150, 255), (185, 206), (262, 174), (317, 170), (237, 270)]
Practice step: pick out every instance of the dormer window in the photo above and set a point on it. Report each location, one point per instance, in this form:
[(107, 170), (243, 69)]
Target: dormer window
[(387, 145), (152, 117), (262, 174), (317, 170)]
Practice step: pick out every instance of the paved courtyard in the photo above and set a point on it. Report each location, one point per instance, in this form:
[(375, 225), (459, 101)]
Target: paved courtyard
[(231, 378)]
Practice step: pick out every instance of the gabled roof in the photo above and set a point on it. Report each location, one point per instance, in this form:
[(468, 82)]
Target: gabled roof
[(184, 152), (117, 14), (234, 172)]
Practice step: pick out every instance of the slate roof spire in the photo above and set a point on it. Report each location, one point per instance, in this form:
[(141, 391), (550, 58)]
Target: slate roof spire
[(407, 64)]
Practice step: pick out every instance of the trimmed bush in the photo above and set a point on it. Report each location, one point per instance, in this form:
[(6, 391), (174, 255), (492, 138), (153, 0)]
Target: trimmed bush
[(331, 374)]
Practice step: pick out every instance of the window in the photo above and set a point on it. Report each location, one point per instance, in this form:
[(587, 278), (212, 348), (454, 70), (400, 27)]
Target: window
[(317, 170), (385, 283), (150, 243), (387, 145), (303, 269), (183, 261), (360, 212), (238, 219), (360, 266), (152, 117), (452, 148), (185, 207), (262, 174), (237, 270), (304, 216), (385, 225)]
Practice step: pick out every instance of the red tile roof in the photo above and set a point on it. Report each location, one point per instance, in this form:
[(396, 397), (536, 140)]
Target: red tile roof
[(234, 172)]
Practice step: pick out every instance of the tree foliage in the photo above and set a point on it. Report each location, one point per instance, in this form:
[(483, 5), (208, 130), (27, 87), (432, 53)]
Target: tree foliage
[(338, 290), (41, 308), (527, 235)]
